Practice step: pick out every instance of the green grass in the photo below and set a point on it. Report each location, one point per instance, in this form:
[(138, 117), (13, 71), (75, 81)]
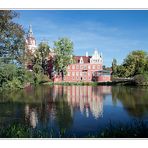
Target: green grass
[(136, 129), (80, 83)]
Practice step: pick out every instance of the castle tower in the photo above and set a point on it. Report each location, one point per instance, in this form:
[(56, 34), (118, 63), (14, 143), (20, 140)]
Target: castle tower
[(96, 57), (30, 41)]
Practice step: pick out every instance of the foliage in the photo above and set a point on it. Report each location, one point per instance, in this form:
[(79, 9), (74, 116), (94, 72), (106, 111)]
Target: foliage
[(114, 67), (135, 129), (40, 62), (42, 55), (135, 63), (135, 66), (12, 77), (12, 43), (63, 50), (141, 79)]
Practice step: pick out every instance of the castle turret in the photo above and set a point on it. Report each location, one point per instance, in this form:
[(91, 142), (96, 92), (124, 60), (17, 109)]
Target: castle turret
[(30, 41), (96, 57)]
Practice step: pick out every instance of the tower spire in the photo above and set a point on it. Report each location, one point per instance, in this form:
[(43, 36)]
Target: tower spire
[(30, 32)]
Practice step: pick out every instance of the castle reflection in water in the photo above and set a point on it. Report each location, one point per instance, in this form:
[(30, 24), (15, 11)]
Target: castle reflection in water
[(87, 99)]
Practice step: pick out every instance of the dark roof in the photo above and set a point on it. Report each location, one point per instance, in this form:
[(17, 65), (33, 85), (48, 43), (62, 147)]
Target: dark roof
[(85, 59)]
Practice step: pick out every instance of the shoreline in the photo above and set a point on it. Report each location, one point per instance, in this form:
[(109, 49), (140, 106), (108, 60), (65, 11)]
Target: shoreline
[(108, 83)]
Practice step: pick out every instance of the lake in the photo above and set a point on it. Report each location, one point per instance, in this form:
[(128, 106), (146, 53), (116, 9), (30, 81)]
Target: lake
[(80, 110)]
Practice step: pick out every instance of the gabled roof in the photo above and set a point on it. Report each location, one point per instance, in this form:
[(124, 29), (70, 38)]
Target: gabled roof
[(85, 59)]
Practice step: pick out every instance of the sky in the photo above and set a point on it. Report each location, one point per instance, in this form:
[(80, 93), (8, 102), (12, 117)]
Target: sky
[(115, 33)]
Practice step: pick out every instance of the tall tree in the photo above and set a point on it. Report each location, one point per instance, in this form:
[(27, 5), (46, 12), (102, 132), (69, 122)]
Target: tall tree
[(114, 66), (63, 50), (12, 42), (43, 52)]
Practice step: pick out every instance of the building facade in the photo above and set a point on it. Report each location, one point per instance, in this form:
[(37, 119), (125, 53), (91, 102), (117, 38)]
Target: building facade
[(87, 69)]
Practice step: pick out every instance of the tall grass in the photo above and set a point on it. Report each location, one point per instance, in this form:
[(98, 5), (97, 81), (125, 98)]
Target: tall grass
[(136, 129)]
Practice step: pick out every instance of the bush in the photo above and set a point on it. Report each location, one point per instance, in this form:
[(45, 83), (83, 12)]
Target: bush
[(141, 79), (44, 78)]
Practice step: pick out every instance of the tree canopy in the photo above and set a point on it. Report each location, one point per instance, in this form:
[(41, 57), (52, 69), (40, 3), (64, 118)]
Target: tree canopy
[(12, 42), (135, 63), (63, 49)]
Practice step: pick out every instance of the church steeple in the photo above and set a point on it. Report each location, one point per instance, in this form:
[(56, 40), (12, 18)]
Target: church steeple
[(30, 41), (30, 32)]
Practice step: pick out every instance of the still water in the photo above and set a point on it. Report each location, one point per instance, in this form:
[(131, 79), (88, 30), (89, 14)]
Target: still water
[(81, 110)]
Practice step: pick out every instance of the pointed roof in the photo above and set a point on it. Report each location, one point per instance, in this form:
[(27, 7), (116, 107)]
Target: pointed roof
[(85, 59), (30, 32)]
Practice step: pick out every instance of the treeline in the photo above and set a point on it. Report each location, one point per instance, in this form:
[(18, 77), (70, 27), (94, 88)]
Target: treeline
[(14, 59), (135, 66)]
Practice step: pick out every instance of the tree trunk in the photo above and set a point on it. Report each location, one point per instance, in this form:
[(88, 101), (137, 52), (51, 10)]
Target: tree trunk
[(62, 75)]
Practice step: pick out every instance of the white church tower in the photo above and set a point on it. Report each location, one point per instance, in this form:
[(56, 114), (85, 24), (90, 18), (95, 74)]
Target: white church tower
[(30, 41)]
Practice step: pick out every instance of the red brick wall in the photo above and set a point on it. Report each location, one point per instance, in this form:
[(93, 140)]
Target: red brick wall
[(104, 78), (81, 72)]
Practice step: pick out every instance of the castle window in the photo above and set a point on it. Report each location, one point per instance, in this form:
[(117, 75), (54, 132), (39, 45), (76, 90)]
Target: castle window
[(88, 66), (73, 73), (81, 67), (68, 73), (85, 67), (77, 66), (80, 73), (73, 66), (85, 73), (77, 73), (94, 67)]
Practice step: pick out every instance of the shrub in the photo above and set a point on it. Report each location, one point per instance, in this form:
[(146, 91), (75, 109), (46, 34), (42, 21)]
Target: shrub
[(141, 79)]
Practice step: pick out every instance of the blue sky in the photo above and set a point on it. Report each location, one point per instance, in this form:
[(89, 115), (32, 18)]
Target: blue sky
[(115, 33)]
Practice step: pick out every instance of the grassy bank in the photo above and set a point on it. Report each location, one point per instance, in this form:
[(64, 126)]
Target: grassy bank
[(90, 83), (136, 129), (80, 83)]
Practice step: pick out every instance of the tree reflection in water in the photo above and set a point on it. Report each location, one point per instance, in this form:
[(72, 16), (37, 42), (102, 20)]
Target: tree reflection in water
[(59, 103), (57, 106), (134, 100)]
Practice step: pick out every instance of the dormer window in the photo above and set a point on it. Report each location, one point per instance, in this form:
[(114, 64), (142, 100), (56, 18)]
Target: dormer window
[(81, 60)]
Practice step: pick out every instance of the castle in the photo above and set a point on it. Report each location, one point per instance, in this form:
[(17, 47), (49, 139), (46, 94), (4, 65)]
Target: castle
[(86, 68)]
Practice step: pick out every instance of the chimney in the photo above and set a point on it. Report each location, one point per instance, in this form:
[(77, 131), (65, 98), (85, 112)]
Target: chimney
[(86, 54)]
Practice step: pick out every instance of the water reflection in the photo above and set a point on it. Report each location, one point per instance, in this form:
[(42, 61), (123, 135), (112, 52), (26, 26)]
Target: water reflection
[(58, 104), (134, 100), (87, 98), (66, 106)]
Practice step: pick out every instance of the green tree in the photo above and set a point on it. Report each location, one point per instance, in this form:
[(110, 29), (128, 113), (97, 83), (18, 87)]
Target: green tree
[(114, 67), (135, 63), (39, 61), (12, 42), (63, 50), (43, 51)]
